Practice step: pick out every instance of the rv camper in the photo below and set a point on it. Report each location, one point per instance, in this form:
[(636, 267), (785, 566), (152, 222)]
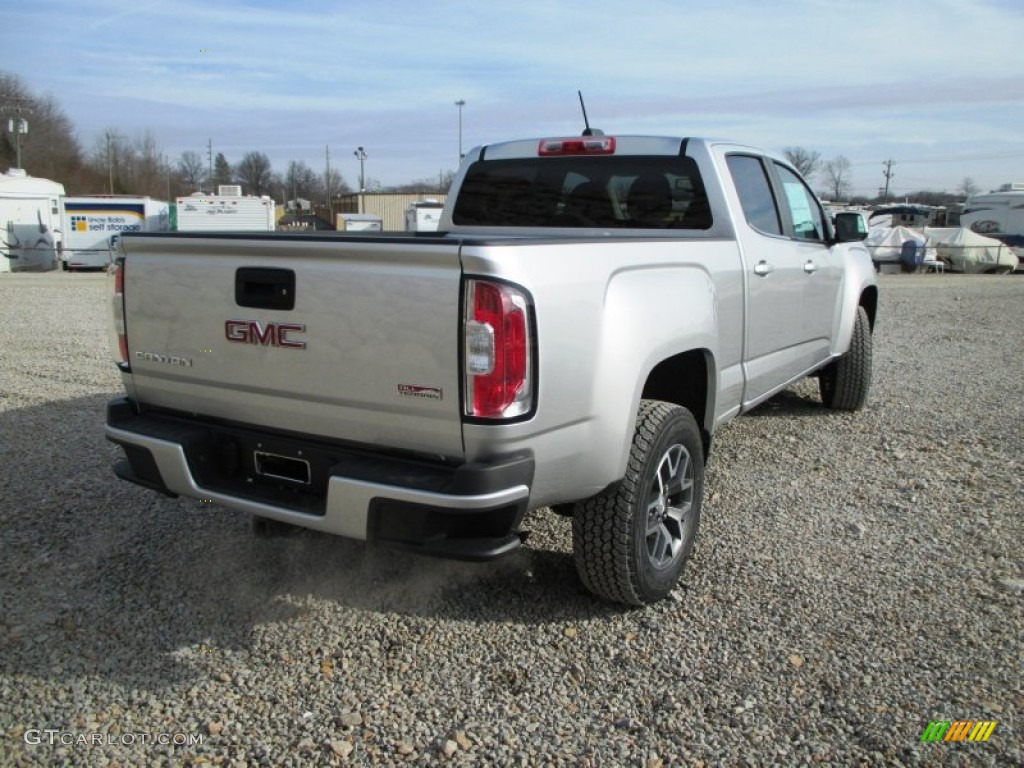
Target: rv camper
[(30, 222), (998, 214), (227, 211), (423, 216), (91, 221)]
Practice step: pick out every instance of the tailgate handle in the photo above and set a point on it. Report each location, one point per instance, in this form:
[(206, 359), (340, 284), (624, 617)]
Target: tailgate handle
[(265, 288)]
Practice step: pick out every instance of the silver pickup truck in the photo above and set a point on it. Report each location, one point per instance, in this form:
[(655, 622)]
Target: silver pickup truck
[(592, 310)]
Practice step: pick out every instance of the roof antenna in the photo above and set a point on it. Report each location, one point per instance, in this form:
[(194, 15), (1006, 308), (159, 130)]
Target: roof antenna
[(588, 131)]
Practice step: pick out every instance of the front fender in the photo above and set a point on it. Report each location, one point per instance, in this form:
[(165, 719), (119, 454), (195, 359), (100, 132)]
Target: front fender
[(859, 287)]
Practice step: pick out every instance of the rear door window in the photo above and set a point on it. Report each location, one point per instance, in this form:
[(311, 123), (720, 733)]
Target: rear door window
[(755, 192)]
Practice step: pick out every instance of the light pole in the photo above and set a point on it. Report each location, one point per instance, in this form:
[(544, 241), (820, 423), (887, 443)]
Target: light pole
[(460, 104), (361, 154)]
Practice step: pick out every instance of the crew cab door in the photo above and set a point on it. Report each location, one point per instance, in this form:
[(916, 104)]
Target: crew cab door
[(821, 264), (792, 277)]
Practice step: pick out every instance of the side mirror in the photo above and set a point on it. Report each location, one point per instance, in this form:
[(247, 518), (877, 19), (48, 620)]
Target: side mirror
[(850, 227)]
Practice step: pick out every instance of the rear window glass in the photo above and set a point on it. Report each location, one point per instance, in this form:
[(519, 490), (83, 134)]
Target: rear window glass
[(584, 192)]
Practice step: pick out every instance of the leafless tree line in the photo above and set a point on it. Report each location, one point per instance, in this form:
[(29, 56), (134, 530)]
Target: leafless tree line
[(118, 164), (835, 183)]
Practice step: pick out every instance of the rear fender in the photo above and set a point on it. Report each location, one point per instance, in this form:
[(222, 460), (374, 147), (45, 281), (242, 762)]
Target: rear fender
[(650, 316)]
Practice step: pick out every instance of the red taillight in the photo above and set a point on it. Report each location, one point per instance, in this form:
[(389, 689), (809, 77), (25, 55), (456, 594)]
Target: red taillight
[(498, 366), (583, 145)]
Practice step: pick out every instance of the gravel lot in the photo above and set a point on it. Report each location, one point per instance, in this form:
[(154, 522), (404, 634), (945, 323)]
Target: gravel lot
[(856, 577)]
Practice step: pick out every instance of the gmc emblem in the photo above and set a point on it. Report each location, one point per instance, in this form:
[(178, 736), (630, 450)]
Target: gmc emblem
[(269, 335)]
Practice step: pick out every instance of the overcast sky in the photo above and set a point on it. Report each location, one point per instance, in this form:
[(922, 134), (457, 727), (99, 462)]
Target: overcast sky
[(935, 85)]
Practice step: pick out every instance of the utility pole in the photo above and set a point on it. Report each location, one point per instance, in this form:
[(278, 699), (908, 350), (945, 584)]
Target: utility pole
[(460, 104), (888, 177), (209, 155), (167, 170), (327, 178), (111, 137), (17, 124)]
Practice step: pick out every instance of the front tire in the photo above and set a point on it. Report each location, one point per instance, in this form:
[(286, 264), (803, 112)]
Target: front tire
[(845, 383), (631, 542)]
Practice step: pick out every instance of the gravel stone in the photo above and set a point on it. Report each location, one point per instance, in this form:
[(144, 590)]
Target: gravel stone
[(856, 576)]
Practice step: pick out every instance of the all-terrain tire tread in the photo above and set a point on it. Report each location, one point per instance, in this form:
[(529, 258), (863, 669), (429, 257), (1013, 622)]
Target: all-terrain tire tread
[(601, 526), (845, 386)]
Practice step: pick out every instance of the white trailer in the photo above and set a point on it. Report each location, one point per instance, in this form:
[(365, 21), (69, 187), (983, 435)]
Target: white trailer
[(225, 212), (998, 214), (423, 216), (92, 221), (358, 222), (30, 222)]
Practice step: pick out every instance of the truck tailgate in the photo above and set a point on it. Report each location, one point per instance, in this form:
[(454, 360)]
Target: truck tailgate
[(369, 353)]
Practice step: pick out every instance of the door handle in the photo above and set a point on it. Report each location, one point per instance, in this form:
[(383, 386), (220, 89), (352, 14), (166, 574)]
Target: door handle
[(810, 267), (763, 268)]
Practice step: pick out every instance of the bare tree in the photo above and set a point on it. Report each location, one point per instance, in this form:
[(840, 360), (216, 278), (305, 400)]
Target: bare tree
[(335, 184), (192, 169), (837, 177), (49, 149), (254, 173), (431, 185), (301, 181), (967, 187), (110, 159), (129, 167), (147, 173), (804, 160)]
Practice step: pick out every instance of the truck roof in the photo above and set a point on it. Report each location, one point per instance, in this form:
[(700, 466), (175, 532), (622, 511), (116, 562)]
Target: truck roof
[(619, 145)]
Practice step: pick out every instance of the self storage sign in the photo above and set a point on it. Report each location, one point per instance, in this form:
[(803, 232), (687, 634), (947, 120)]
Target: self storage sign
[(109, 222)]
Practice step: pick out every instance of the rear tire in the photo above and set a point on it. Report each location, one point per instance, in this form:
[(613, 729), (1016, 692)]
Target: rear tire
[(845, 383), (631, 542)]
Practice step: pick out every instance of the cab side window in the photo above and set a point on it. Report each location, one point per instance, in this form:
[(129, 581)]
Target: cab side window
[(804, 211), (755, 193)]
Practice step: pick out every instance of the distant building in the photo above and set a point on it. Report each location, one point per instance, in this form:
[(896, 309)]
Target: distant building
[(389, 206)]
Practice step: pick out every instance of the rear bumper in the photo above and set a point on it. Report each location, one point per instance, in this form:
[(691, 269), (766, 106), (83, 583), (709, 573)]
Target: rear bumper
[(470, 511)]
